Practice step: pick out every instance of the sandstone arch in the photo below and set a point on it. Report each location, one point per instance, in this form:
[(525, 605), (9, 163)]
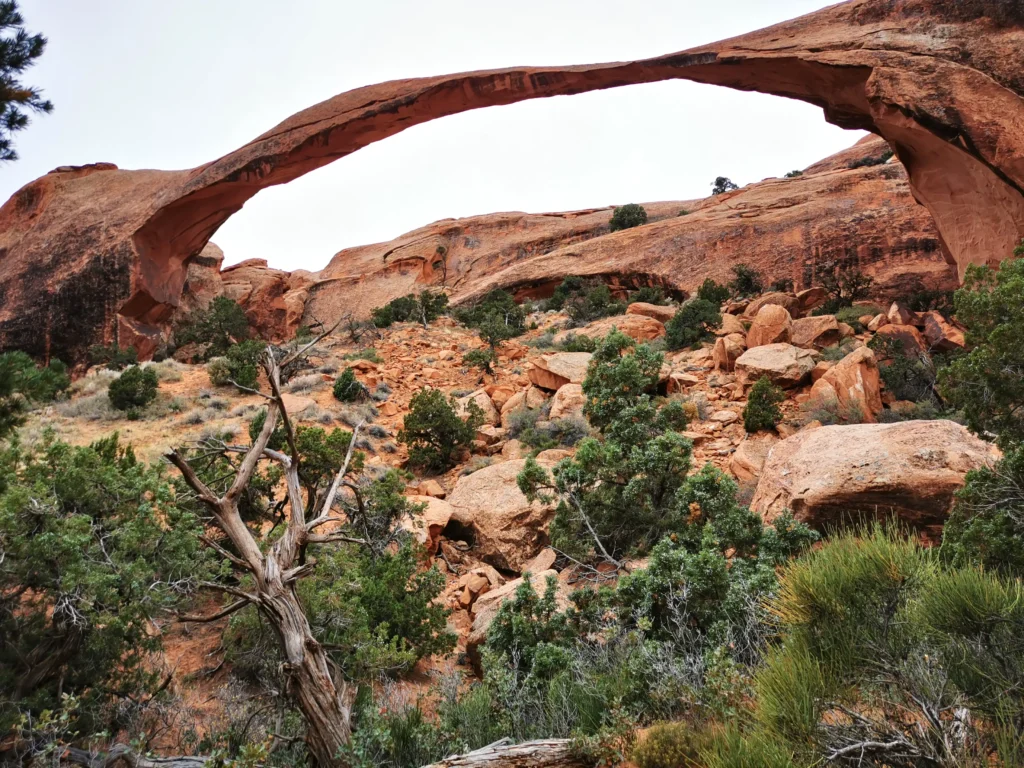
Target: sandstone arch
[(90, 252)]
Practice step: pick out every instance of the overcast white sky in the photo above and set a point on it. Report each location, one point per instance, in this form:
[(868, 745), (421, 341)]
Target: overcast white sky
[(148, 84)]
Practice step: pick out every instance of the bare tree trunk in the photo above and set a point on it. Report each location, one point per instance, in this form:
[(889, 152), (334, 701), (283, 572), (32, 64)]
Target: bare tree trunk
[(543, 753), (309, 682), (276, 571)]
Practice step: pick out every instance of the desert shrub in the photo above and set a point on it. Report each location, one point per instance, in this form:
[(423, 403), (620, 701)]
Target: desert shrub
[(584, 300), (869, 161), (218, 370), (985, 383), (479, 358), (712, 292), (762, 410), (783, 285), (347, 388), (306, 383), (95, 550), (627, 217), (22, 382), (851, 315), (668, 745), (694, 322), (215, 328), (876, 638), (837, 352), (746, 281), (377, 613), (94, 407), (721, 185), (434, 432), (244, 363), (906, 376), (578, 342), (649, 294), (527, 426), (112, 356), (931, 299), (986, 526), (167, 370), (925, 410), (135, 388), (425, 309), (844, 285), (369, 353), (616, 382), (830, 411), (496, 317), (794, 174)]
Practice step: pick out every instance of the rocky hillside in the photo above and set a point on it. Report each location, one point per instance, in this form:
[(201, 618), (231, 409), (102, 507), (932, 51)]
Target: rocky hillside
[(92, 253)]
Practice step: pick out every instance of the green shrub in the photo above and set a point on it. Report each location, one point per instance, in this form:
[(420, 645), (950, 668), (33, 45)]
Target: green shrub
[(906, 377), (244, 362), (649, 294), (721, 185), (113, 357), (434, 432), (134, 388), (95, 550), (694, 322), (794, 174), (869, 161), (730, 747), (215, 328), (783, 285), (627, 217), (837, 352), (762, 410), (219, 371), (496, 317), (425, 308), (746, 281), (578, 343), (369, 353), (584, 300), (985, 383), (480, 358), (22, 382), (844, 285), (668, 745), (347, 388), (712, 292), (986, 526)]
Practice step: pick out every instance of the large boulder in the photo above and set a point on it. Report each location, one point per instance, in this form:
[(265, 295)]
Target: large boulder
[(427, 528), (942, 334), (837, 474), (784, 300), (483, 402), (567, 401), (783, 364), (816, 332), (506, 529), (731, 324), (748, 459), (853, 384), (556, 370), (913, 341), (772, 325), (660, 313), (811, 298), (727, 351), (637, 327)]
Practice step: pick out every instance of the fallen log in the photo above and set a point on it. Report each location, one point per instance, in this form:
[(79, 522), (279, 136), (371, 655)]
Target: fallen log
[(122, 753), (542, 753)]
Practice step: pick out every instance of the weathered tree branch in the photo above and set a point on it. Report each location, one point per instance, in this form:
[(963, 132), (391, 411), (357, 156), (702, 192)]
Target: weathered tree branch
[(543, 753)]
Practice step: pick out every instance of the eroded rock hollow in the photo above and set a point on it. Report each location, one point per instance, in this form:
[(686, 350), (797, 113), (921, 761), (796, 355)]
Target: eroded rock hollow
[(94, 253)]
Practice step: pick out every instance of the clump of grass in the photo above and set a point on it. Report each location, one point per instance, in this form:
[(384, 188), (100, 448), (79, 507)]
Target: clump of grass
[(92, 407), (99, 381), (361, 413), (369, 353), (168, 370), (475, 464), (381, 392), (306, 383)]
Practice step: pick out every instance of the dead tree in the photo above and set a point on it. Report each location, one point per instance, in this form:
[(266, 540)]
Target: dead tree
[(326, 704), (543, 753)]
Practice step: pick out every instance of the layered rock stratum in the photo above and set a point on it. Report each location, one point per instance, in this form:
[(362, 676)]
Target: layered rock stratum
[(93, 253)]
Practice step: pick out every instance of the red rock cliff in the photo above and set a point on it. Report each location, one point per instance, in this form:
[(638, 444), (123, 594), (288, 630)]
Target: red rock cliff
[(87, 254)]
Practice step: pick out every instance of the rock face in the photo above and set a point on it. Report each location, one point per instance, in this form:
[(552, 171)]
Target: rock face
[(507, 529), (783, 364), (91, 253), (816, 332), (835, 474)]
